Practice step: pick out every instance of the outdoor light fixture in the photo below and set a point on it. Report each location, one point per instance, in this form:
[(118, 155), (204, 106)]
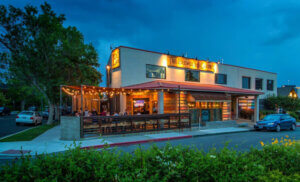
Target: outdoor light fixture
[(107, 67)]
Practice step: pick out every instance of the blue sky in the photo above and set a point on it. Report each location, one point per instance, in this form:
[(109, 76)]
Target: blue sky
[(261, 34)]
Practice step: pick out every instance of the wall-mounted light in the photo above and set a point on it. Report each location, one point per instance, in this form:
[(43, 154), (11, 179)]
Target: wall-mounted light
[(108, 67)]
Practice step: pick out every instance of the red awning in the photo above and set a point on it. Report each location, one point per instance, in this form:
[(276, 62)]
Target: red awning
[(159, 84)]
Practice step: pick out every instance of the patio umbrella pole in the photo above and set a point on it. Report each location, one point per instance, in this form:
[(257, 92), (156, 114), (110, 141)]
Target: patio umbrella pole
[(179, 103)]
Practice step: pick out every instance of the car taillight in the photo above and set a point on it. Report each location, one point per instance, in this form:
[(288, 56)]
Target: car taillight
[(17, 117), (31, 118)]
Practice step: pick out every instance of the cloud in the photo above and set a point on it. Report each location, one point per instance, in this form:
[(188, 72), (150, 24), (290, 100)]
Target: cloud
[(285, 25)]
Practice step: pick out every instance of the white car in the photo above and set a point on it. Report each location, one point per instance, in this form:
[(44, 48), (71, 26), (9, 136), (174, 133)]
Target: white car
[(31, 117)]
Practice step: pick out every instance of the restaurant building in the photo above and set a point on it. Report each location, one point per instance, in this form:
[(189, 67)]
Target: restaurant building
[(211, 91)]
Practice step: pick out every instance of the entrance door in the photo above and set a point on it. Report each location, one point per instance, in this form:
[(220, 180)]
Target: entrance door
[(205, 116), (195, 114)]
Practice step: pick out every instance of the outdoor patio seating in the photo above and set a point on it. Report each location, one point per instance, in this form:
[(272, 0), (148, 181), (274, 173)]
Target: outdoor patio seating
[(107, 125)]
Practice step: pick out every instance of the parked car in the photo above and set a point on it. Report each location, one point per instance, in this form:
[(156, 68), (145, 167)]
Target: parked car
[(4, 111), (45, 114), (32, 108), (30, 117), (276, 122)]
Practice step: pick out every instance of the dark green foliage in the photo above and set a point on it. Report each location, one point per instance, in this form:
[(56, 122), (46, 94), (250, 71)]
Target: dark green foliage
[(43, 53), (276, 162), (286, 103)]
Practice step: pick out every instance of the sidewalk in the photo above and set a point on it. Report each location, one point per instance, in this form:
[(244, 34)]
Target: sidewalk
[(49, 141)]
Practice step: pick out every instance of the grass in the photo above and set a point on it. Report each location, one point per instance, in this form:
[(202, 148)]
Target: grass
[(28, 135)]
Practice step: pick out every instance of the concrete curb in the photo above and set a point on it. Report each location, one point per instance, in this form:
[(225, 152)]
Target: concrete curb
[(136, 142)]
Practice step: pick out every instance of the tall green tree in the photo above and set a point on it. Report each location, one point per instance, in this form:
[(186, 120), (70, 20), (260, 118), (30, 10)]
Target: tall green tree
[(3, 99), (44, 53)]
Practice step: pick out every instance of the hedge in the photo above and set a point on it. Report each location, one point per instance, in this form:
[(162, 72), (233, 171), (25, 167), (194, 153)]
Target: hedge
[(279, 161)]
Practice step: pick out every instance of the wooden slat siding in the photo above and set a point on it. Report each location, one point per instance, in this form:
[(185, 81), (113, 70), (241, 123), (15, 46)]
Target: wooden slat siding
[(170, 102)]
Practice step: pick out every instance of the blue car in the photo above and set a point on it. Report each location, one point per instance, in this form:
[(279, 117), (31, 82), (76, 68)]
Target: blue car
[(276, 122)]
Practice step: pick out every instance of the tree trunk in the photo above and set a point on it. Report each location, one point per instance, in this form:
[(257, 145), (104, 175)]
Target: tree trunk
[(51, 113), (23, 105)]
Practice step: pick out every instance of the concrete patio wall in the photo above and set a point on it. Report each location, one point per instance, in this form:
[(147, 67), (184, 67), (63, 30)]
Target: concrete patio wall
[(70, 128)]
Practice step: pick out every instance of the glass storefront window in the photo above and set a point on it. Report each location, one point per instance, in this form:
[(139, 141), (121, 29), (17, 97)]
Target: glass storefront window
[(191, 75), (154, 71)]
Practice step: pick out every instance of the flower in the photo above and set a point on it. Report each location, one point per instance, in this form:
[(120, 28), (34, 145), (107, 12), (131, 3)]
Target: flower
[(275, 141), (262, 143), (212, 156), (286, 136)]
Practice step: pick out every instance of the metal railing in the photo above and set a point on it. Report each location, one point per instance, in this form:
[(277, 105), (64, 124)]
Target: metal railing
[(109, 125)]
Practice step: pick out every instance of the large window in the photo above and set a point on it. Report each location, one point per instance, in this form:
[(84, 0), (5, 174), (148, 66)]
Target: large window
[(191, 75), (270, 84), (221, 79), (258, 83), (246, 82), (154, 71)]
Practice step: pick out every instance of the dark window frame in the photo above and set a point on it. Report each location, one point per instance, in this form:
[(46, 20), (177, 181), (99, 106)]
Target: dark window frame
[(262, 84), (156, 66), (191, 71), (268, 86), (216, 78), (248, 83)]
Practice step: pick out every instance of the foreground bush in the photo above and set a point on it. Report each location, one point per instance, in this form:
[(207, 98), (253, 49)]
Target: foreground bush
[(277, 162)]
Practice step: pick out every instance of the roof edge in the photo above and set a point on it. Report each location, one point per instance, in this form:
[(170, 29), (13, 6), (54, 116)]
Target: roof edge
[(156, 52)]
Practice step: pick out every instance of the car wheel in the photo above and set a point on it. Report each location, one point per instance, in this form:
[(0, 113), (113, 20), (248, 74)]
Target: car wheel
[(278, 128), (293, 127), (17, 124)]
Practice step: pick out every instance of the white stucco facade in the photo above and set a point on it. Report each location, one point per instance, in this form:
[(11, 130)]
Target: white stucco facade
[(132, 70)]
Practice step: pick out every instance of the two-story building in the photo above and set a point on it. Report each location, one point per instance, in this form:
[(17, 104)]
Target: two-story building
[(170, 84)]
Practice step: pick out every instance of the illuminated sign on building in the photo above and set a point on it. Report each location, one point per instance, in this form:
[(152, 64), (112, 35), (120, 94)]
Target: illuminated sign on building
[(182, 62), (115, 59)]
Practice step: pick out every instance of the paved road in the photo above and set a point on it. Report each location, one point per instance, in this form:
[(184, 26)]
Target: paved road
[(8, 125), (240, 141)]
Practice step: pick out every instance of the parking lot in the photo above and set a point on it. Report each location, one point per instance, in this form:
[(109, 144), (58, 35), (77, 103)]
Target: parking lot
[(8, 125)]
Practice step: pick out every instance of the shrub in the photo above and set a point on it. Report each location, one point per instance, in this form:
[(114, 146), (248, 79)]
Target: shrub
[(279, 162)]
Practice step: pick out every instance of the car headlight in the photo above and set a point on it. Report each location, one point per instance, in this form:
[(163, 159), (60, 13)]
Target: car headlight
[(270, 123)]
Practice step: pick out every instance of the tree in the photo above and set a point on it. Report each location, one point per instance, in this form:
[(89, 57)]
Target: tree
[(44, 53), (286, 103), (3, 99)]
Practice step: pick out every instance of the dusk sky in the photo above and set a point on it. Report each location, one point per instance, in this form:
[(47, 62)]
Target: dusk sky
[(260, 34)]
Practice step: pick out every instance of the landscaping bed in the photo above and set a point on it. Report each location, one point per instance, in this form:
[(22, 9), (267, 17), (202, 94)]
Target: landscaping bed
[(279, 161), (28, 135)]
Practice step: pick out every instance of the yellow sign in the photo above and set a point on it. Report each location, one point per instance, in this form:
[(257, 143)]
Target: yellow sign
[(182, 62), (115, 59)]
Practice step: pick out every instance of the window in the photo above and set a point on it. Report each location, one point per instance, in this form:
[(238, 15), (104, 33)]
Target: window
[(191, 75), (221, 79), (270, 84), (258, 84), (246, 82), (154, 71)]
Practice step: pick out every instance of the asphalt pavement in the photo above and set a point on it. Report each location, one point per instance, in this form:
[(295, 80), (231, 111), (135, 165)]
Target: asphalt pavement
[(240, 141), (8, 125)]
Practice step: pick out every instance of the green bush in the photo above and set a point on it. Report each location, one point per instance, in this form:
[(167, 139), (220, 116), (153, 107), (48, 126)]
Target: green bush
[(272, 163)]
